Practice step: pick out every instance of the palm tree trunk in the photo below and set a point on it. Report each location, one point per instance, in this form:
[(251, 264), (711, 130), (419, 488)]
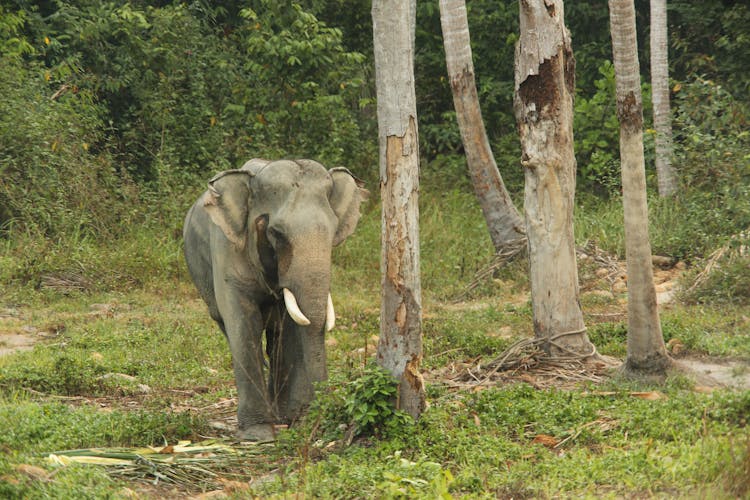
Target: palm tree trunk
[(400, 345), (665, 172), (503, 220), (646, 351)]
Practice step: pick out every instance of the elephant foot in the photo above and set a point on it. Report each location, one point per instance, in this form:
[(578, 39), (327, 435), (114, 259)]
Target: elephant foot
[(260, 433)]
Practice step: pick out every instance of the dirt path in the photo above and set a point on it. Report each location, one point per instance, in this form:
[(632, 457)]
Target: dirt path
[(13, 336), (17, 335), (15, 342)]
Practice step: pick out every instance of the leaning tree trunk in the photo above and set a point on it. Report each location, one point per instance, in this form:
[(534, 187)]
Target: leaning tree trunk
[(400, 345), (543, 102), (503, 220), (665, 172), (646, 350)]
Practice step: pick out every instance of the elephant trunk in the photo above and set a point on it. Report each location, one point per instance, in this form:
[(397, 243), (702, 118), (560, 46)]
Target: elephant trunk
[(309, 305)]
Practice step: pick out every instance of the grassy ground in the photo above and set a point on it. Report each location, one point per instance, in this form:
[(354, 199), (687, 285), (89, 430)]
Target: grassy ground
[(126, 356)]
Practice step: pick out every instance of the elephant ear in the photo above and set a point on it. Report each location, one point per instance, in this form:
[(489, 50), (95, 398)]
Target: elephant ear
[(347, 194), (226, 202)]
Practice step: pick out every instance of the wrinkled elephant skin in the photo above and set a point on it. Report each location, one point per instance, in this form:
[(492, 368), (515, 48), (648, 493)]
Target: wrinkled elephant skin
[(258, 247)]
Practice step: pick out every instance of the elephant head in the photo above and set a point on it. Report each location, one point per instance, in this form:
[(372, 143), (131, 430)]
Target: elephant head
[(282, 219)]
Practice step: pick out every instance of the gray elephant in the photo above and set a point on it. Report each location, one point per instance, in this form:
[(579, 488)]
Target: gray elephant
[(258, 247)]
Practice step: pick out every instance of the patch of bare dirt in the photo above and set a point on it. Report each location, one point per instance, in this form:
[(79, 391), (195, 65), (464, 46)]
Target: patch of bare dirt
[(732, 373), (15, 342), (16, 336), (604, 276)]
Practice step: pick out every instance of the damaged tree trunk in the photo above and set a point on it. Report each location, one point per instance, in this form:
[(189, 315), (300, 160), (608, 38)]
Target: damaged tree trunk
[(543, 102), (400, 345), (503, 220), (646, 350)]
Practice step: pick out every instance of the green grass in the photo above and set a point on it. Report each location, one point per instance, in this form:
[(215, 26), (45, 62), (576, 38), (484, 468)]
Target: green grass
[(134, 360), (618, 444)]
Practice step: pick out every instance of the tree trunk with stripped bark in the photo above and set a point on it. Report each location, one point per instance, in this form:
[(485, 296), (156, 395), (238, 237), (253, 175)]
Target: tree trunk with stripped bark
[(543, 102), (400, 345)]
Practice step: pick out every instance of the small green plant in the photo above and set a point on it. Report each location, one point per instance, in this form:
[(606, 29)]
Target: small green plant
[(370, 402), (363, 406), (408, 481), (597, 132)]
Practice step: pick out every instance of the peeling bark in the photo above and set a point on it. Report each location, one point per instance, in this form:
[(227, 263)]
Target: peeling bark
[(503, 220), (400, 344), (543, 103), (646, 350)]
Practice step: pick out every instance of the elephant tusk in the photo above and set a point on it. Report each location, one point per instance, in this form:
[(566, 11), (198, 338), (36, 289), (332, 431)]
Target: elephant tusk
[(293, 309), (330, 315)]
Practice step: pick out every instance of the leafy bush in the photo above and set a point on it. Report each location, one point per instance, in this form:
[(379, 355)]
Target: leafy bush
[(709, 38), (370, 403), (710, 131), (56, 174), (188, 94), (711, 157), (365, 406), (597, 133), (13, 45)]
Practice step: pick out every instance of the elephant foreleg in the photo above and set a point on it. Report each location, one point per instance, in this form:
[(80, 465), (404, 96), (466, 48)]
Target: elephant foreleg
[(244, 328)]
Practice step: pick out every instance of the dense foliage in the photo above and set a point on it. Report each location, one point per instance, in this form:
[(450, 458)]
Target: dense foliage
[(114, 113)]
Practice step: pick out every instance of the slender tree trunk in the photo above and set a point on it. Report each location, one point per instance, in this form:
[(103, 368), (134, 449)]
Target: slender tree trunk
[(665, 172), (646, 350), (400, 345), (503, 220), (543, 102)]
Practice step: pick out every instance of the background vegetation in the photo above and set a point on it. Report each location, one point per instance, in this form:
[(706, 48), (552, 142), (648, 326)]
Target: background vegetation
[(113, 116)]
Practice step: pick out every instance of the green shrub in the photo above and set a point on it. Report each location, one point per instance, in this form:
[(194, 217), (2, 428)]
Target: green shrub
[(185, 93), (56, 175), (711, 157), (370, 402), (364, 406), (711, 137)]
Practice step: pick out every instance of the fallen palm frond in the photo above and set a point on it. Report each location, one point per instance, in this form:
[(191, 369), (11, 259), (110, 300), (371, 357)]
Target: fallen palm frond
[(527, 361), (516, 248), (736, 247), (513, 249), (66, 282), (190, 465)]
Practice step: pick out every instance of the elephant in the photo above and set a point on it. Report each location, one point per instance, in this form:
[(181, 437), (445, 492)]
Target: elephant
[(258, 248)]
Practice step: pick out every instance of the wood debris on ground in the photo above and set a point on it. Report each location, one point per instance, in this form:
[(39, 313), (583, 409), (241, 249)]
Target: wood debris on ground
[(200, 465)]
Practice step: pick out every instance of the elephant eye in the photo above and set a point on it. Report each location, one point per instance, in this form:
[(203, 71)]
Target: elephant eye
[(275, 235)]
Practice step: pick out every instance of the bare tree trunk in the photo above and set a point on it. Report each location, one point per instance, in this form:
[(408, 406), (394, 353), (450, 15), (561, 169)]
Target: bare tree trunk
[(665, 172), (543, 102), (400, 345), (503, 220), (646, 350)]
